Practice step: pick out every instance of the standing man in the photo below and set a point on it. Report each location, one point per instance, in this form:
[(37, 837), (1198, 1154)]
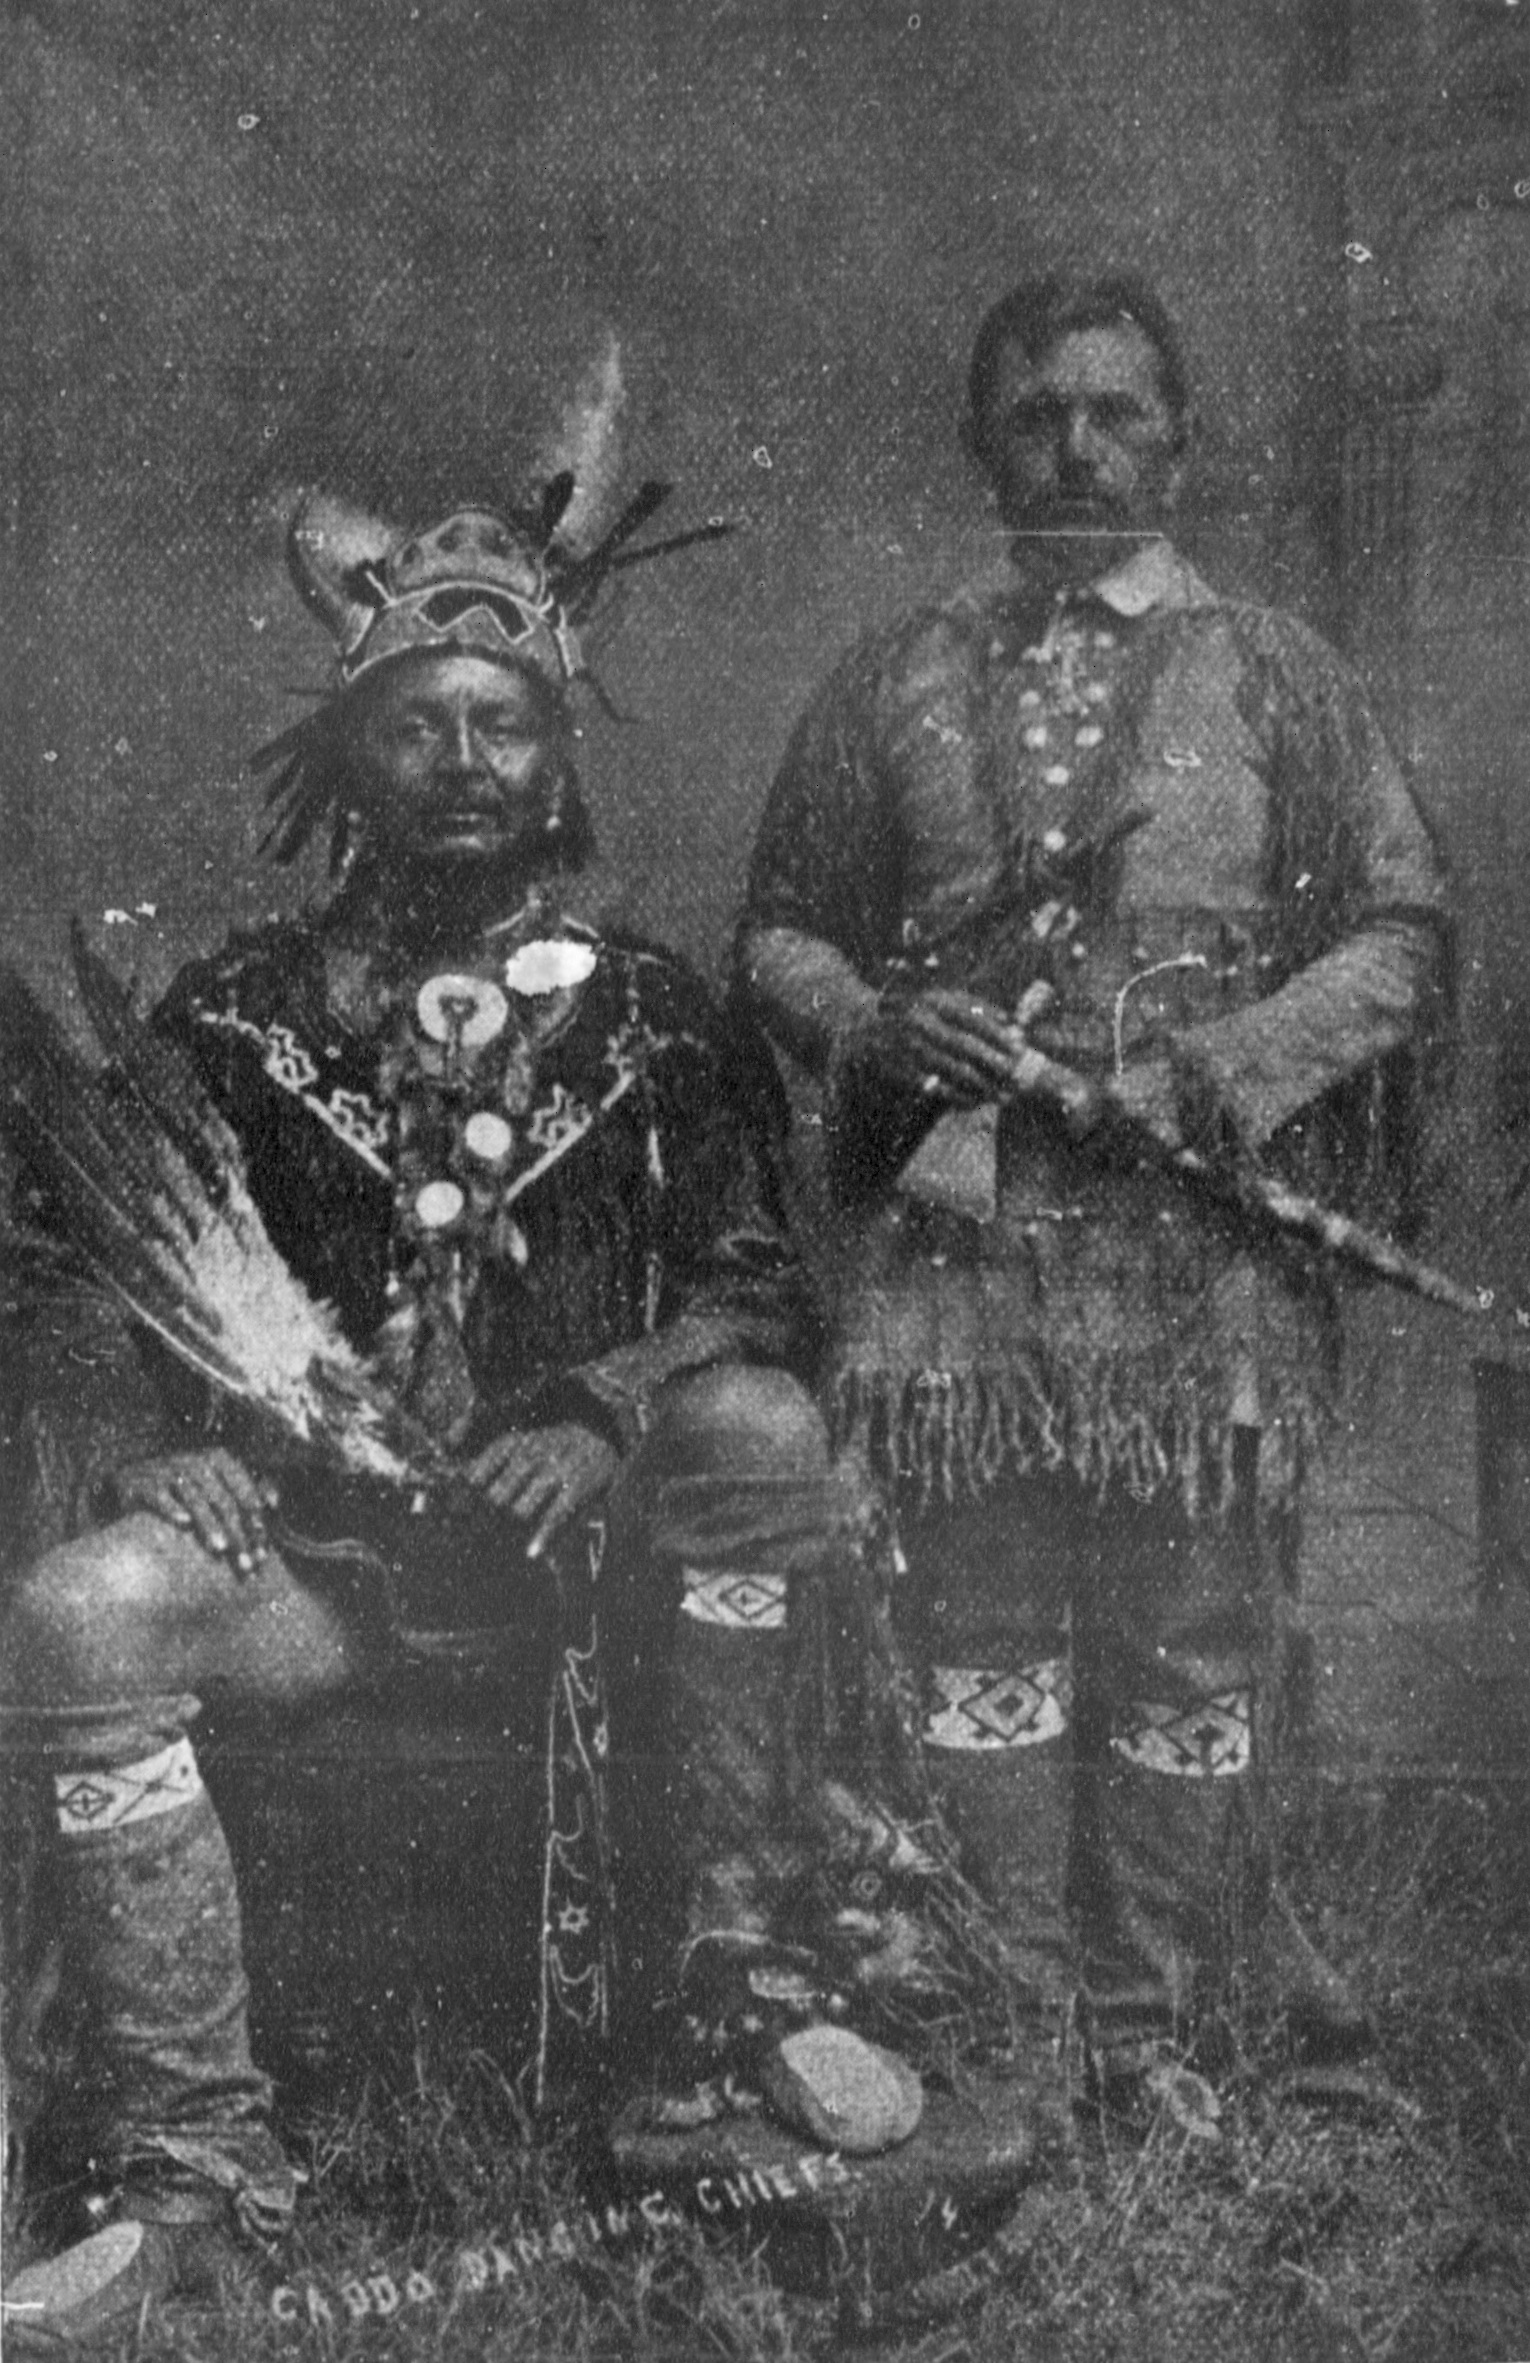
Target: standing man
[(530, 1168), (1102, 813)]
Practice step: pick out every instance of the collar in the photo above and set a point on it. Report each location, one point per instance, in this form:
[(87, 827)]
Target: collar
[(1154, 576)]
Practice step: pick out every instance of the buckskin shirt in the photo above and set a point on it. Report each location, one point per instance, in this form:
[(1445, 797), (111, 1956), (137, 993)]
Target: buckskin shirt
[(1177, 811)]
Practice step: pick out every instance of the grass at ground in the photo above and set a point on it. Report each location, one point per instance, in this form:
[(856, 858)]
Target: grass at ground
[(1389, 2226)]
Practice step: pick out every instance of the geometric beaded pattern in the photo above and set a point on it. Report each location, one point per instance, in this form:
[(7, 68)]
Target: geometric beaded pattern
[(90, 1801), (1211, 1740), (978, 1710), (753, 1602)]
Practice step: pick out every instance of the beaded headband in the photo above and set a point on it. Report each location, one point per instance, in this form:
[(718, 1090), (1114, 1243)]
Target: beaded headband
[(477, 584), (474, 585), (510, 589)]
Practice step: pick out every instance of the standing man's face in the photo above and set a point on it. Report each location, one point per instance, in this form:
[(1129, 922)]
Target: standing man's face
[(1082, 440), (460, 756)]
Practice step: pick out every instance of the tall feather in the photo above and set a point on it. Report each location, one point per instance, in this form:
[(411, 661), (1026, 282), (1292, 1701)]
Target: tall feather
[(135, 1167), (579, 585), (587, 445)]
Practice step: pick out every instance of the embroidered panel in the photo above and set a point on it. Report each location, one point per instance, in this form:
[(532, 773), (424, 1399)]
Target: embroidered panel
[(755, 1602), (94, 1800), (1211, 1740), (978, 1710)]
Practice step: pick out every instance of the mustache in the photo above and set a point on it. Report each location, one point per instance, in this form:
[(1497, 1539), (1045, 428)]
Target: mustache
[(469, 791), (1062, 512), (1079, 492)]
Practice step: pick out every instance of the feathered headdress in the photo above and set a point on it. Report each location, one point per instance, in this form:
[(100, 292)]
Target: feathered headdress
[(513, 588)]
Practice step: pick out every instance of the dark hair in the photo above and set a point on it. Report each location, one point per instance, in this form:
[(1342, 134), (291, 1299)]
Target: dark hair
[(321, 776), (1038, 312)]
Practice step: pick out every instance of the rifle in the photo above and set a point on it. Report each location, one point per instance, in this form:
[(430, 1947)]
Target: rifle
[(954, 1167)]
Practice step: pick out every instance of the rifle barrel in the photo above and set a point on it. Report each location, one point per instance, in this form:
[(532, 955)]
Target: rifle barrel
[(1084, 1106)]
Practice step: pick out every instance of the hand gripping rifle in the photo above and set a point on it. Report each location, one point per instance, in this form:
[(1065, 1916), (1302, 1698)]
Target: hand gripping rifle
[(954, 1168)]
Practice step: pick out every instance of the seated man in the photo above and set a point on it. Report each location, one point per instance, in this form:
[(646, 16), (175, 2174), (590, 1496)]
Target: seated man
[(529, 1167)]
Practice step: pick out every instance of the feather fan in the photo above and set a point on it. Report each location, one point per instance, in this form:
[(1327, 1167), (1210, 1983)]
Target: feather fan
[(144, 1182)]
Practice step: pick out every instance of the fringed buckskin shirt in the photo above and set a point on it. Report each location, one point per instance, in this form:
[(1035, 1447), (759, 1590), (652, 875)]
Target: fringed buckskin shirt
[(1178, 812)]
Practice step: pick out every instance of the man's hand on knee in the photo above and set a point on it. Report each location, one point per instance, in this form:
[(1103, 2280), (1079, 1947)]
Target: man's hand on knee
[(209, 1494), (544, 1474)]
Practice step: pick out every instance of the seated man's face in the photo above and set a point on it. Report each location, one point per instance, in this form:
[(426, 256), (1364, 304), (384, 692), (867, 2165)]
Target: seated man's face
[(459, 757), (1082, 440)]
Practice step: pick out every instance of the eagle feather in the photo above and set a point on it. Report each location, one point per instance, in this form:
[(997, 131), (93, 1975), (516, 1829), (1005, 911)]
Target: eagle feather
[(137, 1172)]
